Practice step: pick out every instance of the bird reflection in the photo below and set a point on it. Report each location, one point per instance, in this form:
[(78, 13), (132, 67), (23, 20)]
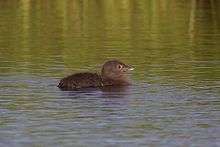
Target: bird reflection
[(104, 92)]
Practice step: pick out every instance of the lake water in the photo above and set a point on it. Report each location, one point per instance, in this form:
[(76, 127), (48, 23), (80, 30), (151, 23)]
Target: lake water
[(173, 45)]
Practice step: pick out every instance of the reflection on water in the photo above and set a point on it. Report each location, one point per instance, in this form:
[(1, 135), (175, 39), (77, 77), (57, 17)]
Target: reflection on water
[(173, 45)]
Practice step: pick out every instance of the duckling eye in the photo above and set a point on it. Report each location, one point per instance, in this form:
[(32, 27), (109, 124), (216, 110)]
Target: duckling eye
[(119, 66)]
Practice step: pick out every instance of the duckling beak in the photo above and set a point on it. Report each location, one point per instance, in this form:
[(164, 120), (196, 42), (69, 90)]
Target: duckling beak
[(130, 68)]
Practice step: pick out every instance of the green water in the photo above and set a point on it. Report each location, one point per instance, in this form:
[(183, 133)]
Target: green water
[(173, 45)]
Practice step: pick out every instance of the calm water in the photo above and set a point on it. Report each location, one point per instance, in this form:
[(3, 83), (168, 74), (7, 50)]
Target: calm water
[(173, 45)]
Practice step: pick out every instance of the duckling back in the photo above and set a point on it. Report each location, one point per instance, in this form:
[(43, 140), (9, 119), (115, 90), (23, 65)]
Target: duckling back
[(80, 80)]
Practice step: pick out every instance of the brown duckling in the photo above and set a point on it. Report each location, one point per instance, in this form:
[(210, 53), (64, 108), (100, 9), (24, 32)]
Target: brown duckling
[(113, 73)]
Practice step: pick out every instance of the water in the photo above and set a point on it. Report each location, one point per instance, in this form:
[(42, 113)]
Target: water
[(173, 45)]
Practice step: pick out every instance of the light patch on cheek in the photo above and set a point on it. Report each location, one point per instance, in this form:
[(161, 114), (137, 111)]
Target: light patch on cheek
[(124, 70)]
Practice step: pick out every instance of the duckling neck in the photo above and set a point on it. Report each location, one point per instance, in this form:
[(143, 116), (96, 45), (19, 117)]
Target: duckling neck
[(117, 81)]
